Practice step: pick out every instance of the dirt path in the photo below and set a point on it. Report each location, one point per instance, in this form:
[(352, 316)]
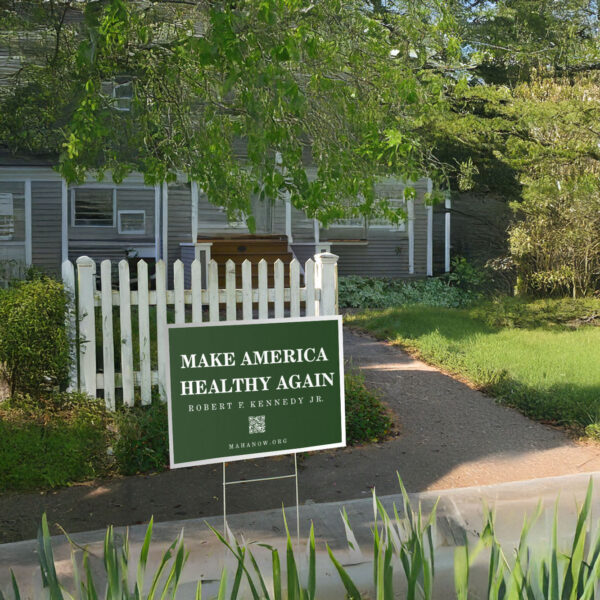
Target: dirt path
[(450, 436)]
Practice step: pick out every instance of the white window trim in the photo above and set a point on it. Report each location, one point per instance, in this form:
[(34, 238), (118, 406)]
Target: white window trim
[(95, 187), (131, 231)]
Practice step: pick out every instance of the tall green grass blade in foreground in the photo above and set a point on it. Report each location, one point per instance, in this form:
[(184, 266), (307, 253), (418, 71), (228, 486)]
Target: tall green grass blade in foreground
[(351, 589), (312, 565), (403, 553), (143, 561), (46, 558)]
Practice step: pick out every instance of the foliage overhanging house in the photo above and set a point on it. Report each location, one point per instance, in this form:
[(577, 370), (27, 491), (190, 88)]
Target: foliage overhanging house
[(43, 222)]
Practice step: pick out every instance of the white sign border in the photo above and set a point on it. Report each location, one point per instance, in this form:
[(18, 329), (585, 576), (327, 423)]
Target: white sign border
[(225, 459)]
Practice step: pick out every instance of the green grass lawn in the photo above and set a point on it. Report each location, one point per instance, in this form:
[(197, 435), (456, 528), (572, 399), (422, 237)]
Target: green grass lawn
[(528, 354)]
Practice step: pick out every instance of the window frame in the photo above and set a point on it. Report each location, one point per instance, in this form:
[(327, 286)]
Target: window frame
[(400, 226), (348, 224), (113, 189), (131, 212), (116, 99), (9, 236)]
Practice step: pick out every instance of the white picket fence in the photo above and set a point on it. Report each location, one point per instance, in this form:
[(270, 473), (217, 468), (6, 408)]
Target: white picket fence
[(316, 295)]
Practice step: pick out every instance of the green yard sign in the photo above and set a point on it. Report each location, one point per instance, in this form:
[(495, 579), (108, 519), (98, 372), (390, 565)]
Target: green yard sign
[(247, 389)]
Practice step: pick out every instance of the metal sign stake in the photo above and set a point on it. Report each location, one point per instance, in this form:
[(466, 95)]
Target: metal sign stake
[(294, 475)]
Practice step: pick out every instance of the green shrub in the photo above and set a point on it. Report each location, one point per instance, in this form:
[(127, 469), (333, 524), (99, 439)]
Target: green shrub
[(142, 442), (467, 277), (34, 346), (380, 292), (52, 442), (366, 418)]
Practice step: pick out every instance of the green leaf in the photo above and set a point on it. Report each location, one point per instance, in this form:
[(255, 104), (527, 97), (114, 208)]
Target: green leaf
[(351, 589)]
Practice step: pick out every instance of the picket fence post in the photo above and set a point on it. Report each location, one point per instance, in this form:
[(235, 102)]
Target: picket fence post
[(108, 349), (86, 285), (68, 276), (327, 282), (161, 327), (144, 332), (126, 333)]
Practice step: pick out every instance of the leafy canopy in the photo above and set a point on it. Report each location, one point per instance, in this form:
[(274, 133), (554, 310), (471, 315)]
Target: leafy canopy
[(221, 90)]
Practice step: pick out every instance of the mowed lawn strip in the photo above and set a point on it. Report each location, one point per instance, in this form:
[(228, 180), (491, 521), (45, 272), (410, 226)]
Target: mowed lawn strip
[(549, 372)]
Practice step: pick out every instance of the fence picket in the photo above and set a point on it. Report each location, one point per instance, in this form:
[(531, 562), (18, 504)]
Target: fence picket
[(68, 275), (294, 288), (213, 291), (161, 327), (144, 333), (263, 293), (230, 304), (247, 290), (309, 284), (126, 334), (178, 288), (86, 269), (108, 343), (196, 291), (279, 284)]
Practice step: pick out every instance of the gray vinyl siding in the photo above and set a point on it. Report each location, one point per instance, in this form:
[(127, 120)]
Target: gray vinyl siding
[(385, 253), (211, 219), (278, 217), (420, 235), (180, 221), (302, 226), (46, 226), (439, 240), (379, 258)]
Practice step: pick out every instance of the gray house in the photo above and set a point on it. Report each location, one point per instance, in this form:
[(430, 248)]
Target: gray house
[(43, 222)]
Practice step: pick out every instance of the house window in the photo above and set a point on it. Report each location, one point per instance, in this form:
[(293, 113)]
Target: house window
[(355, 221), (236, 221), (7, 217), (349, 222), (132, 222), (93, 207), (382, 223), (123, 95), (120, 91)]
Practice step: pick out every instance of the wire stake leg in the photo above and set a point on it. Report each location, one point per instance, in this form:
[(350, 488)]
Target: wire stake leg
[(224, 503)]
